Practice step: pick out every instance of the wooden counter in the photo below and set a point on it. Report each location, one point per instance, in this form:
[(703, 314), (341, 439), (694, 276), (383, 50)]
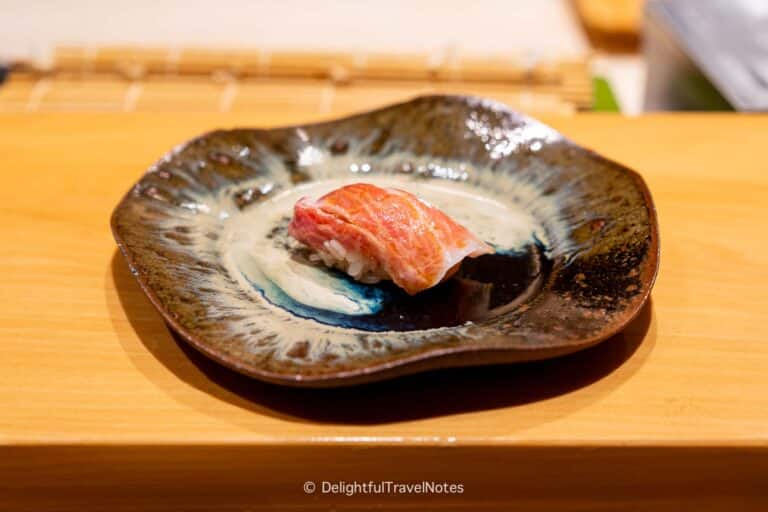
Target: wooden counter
[(100, 406)]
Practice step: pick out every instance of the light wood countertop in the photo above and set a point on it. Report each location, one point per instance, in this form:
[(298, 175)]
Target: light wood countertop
[(98, 400)]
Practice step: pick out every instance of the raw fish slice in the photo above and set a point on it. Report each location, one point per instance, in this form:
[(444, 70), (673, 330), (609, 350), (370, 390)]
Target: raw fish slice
[(375, 233)]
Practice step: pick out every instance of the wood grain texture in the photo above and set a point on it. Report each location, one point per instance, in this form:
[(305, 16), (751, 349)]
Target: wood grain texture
[(98, 401)]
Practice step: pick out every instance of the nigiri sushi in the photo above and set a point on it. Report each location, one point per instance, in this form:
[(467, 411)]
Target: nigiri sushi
[(375, 233)]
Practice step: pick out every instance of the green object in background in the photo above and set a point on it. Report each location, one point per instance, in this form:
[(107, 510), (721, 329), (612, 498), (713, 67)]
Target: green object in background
[(603, 98), (693, 91)]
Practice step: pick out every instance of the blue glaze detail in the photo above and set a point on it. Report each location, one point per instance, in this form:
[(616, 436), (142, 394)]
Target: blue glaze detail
[(371, 298), (482, 288)]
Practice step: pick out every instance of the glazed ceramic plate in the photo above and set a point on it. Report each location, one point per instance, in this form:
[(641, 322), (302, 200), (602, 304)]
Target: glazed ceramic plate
[(204, 232)]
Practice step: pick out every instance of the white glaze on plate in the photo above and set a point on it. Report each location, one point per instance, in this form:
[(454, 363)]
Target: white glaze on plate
[(475, 197), (253, 257)]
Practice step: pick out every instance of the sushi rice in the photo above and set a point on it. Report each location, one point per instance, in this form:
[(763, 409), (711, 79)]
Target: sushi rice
[(360, 268)]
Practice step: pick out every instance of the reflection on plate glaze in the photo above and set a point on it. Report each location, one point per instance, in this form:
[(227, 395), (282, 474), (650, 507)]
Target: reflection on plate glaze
[(259, 250)]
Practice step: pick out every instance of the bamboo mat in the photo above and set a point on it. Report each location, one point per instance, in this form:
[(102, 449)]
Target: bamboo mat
[(204, 80)]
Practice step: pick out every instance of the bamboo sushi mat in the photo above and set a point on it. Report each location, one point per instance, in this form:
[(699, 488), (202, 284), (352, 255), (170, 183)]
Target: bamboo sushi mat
[(162, 80)]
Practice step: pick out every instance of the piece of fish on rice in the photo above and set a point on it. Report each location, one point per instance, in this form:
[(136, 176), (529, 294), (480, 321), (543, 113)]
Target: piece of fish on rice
[(375, 233)]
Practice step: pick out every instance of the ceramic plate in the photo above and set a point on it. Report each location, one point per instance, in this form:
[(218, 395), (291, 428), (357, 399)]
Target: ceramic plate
[(204, 232)]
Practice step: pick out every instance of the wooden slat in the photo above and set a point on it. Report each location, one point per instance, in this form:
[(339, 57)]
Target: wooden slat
[(193, 95), (202, 61), (281, 95), (132, 62), (367, 95), (382, 66), (80, 93), (340, 66)]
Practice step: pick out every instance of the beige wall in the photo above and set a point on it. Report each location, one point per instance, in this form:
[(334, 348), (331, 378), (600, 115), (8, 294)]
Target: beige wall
[(30, 27)]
